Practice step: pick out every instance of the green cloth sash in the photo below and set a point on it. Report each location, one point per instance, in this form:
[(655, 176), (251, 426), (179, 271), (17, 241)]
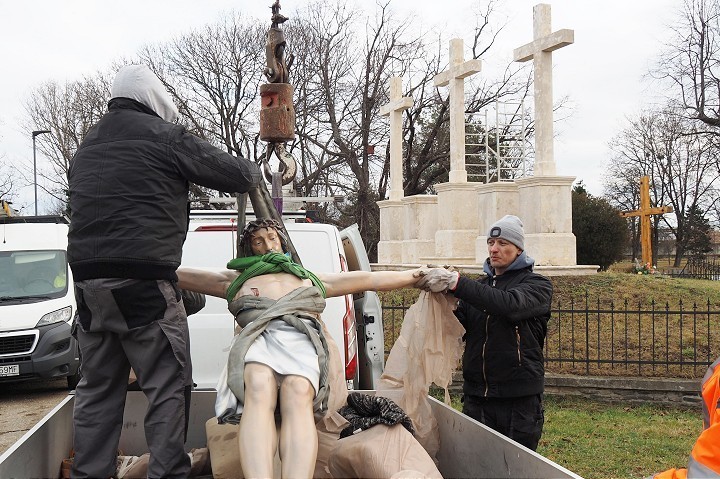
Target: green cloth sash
[(252, 266)]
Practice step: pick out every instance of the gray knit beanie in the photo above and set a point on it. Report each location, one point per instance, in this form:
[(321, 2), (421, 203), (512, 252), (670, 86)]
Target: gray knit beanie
[(509, 227)]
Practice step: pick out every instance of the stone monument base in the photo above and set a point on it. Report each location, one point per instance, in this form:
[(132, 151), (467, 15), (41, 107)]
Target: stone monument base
[(390, 251), (414, 250), (547, 249), (551, 249), (392, 221), (575, 270)]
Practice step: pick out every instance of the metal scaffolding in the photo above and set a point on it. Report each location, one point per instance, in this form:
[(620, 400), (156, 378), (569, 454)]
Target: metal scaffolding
[(496, 144)]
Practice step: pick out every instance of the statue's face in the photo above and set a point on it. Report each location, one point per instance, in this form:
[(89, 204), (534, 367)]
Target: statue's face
[(265, 240)]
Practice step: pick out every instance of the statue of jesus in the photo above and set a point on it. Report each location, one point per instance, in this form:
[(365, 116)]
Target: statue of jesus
[(281, 354)]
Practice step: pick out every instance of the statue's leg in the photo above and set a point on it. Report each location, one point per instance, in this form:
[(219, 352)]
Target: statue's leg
[(258, 433), (298, 435)]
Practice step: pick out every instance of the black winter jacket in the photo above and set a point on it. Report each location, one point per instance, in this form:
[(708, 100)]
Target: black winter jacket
[(128, 189), (505, 319)]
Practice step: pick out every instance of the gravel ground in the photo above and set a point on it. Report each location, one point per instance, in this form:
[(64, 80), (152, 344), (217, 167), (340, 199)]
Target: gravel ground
[(22, 405)]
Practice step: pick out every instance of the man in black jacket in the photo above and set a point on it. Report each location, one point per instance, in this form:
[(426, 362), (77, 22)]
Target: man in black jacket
[(128, 185), (505, 317)]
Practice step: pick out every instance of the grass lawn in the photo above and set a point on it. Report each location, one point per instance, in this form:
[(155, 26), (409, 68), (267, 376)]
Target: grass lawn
[(618, 287), (600, 440)]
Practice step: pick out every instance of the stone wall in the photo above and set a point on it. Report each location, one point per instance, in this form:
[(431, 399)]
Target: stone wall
[(666, 391)]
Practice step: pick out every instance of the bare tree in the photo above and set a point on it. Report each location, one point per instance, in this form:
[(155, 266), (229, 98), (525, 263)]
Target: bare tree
[(690, 63), (8, 180), (213, 74), (343, 61), (344, 69), (67, 111), (678, 158)]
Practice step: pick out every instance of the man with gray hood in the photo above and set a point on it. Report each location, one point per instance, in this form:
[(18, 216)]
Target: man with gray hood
[(128, 190), (505, 316)]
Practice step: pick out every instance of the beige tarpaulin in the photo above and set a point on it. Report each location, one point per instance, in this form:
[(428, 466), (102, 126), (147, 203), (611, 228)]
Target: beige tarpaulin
[(427, 351)]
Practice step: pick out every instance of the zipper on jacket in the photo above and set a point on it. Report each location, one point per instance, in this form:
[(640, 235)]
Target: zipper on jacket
[(483, 356), (517, 336), (487, 320)]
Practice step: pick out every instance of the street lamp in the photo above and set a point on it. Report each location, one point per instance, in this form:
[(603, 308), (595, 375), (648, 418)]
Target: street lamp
[(34, 134)]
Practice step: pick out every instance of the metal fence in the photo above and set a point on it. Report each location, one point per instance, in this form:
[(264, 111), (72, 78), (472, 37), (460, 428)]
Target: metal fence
[(699, 268), (596, 337)]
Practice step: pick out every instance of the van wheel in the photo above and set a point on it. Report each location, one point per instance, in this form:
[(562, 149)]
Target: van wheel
[(73, 380)]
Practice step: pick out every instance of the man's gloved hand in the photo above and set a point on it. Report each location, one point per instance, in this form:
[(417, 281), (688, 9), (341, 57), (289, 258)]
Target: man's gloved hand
[(438, 280), (193, 301)]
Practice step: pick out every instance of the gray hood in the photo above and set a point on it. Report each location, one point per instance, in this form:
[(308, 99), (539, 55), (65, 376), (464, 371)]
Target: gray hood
[(139, 83)]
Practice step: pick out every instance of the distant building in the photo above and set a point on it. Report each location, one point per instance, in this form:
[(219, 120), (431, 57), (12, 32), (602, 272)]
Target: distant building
[(666, 244), (715, 242)]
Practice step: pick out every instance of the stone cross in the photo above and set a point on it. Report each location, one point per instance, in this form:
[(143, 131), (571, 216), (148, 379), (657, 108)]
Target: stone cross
[(644, 213), (539, 51), (394, 109), (455, 76)]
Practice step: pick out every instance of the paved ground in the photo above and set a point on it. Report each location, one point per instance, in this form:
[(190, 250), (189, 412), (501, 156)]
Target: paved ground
[(22, 405)]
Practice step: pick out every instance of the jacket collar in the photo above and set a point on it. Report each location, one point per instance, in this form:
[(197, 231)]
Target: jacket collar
[(122, 103)]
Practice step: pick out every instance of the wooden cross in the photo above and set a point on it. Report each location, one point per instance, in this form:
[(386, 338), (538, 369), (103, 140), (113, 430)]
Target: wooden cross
[(539, 51), (394, 109), (455, 76), (5, 209), (644, 213)]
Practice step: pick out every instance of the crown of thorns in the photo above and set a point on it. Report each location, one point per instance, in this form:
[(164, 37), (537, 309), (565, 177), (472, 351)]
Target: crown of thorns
[(252, 226)]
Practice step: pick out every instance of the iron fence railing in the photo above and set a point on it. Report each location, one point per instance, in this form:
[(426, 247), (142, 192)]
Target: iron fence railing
[(597, 337), (699, 268)]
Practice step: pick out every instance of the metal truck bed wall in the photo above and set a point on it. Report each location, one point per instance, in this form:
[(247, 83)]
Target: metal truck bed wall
[(468, 449)]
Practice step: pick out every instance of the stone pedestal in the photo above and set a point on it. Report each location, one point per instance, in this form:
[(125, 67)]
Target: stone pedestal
[(495, 200), (457, 224), (392, 221), (420, 225), (545, 207)]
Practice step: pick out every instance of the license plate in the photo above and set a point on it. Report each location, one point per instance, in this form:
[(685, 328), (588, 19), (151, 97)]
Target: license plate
[(11, 370)]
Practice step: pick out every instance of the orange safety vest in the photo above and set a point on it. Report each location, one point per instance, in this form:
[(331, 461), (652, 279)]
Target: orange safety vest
[(704, 460)]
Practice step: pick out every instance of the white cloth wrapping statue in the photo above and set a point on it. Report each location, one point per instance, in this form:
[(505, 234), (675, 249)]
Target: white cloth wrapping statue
[(283, 334)]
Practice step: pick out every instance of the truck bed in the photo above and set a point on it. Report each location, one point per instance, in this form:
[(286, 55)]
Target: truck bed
[(468, 449)]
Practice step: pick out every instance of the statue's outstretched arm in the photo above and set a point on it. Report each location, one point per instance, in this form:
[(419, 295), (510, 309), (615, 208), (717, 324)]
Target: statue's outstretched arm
[(338, 284), (207, 282)]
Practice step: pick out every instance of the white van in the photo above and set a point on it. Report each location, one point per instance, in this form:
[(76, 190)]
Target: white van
[(354, 323), (37, 301)]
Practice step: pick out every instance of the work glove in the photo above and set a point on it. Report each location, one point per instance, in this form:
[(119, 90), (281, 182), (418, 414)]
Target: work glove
[(438, 280), (193, 301)]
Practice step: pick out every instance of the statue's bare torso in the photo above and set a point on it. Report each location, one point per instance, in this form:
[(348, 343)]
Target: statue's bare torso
[(273, 286)]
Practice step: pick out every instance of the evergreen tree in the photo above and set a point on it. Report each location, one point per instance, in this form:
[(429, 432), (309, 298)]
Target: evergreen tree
[(697, 240), (601, 234)]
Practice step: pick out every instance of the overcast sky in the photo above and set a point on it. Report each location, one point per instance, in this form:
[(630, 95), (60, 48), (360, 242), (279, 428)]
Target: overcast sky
[(616, 41)]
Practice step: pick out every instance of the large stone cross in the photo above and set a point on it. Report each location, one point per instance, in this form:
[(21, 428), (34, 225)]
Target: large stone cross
[(455, 76), (394, 109), (539, 50)]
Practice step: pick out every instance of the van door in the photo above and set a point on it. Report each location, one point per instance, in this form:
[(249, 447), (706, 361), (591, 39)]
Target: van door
[(368, 314)]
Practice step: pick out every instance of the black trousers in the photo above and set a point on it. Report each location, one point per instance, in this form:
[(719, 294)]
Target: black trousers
[(521, 419)]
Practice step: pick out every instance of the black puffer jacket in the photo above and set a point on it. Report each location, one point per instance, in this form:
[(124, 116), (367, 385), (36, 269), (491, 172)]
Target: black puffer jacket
[(505, 319), (128, 187)]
